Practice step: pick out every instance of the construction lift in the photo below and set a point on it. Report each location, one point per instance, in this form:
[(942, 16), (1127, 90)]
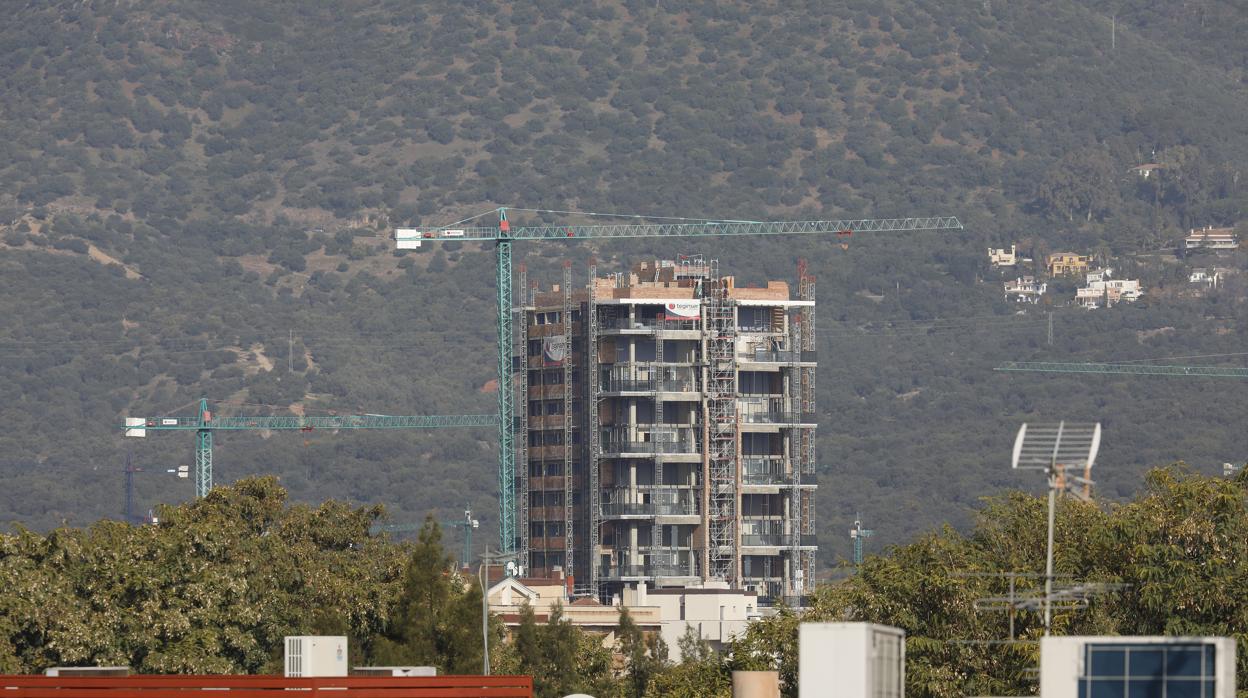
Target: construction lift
[(503, 235), (205, 423)]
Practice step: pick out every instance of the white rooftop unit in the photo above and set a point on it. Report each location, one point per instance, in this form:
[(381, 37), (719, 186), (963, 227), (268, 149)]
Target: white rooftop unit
[(395, 671), (91, 671), (1105, 666), (316, 655), (851, 660)]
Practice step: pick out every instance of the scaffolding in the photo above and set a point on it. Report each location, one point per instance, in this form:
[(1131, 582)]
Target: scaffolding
[(797, 439), (568, 538), (594, 431), (722, 523), (806, 292), (658, 558)]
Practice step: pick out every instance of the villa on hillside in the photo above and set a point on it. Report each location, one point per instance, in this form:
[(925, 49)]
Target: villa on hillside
[(1063, 263), (1003, 257), (1210, 238), (1107, 293), (1025, 289), (1208, 278)]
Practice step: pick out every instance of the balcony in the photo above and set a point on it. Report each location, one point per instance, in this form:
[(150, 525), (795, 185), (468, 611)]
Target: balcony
[(762, 356), (662, 501), (648, 378), (610, 572), (777, 540), (764, 470), (647, 325), (648, 439), (774, 417)]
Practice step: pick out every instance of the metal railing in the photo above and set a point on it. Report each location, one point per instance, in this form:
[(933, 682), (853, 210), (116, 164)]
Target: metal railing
[(649, 324), (774, 540), (660, 570), (663, 501), (767, 539), (771, 417), (646, 379), (764, 470), (649, 440), (769, 357)]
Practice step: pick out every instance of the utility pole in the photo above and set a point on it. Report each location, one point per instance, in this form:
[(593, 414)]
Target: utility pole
[(1050, 328), (290, 352)]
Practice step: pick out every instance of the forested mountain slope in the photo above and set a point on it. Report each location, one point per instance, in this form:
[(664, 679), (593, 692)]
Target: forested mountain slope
[(191, 190)]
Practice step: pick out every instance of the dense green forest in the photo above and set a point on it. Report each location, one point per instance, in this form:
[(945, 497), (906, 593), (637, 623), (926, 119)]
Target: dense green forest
[(196, 199), (191, 594)]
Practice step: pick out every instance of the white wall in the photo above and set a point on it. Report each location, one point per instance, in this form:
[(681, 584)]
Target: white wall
[(851, 660)]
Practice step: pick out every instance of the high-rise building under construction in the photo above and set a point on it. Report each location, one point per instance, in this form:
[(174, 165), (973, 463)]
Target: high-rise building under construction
[(667, 433)]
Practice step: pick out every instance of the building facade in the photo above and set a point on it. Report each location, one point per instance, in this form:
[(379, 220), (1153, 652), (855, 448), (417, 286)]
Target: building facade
[(668, 431)]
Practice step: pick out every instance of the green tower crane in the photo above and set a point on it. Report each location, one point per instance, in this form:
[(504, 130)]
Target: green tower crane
[(503, 235), (467, 523), (858, 534), (205, 423)]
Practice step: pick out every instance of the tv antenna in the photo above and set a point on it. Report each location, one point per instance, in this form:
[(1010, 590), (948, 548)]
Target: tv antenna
[(1065, 452)]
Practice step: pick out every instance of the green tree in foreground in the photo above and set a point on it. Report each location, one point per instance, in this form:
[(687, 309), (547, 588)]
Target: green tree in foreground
[(561, 658), (212, 589), (438, 620), (701, 672)]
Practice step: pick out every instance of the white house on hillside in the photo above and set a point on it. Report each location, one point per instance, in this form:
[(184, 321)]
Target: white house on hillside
[(1106, 293), (1003, 257), (1025, 289)]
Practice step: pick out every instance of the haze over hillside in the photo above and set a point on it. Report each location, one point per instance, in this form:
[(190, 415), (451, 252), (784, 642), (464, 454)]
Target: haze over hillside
[(191, 191)]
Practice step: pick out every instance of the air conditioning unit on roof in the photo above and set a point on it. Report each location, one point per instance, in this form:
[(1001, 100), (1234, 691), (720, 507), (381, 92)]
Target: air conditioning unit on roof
[(316, 655)]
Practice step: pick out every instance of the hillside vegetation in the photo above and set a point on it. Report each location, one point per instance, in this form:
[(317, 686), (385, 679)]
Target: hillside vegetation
[(196, 200)]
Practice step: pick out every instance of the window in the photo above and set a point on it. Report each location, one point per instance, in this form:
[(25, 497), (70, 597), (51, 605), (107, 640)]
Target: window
[(1145, 670)]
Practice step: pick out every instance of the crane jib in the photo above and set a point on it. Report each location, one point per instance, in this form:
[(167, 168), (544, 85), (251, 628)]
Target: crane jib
[(721, 228), (291, 422)]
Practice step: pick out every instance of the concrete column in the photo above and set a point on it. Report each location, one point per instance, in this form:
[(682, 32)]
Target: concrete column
[(633, 557)]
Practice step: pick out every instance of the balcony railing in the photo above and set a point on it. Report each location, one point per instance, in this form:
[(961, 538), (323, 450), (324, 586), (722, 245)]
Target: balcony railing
[(771, 417), (657, 570), (764, 470), (648, 378), (648, 439), (778, 540), (663, 501), (767, 539), (649, 324), (769, 357)]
